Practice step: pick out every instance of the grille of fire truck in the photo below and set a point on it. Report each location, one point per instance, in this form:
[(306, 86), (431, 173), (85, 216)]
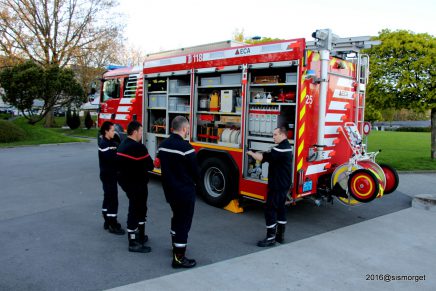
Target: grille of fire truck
[(132, 84)]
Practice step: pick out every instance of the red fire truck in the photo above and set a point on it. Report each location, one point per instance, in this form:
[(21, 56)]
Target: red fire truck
[(235, 97), (121, 98)]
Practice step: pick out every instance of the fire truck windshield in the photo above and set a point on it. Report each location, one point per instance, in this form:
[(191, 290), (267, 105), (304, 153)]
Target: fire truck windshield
[(111, 89)]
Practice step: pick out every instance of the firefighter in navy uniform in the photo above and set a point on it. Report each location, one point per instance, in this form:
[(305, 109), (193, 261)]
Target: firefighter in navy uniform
[(107, 153), (134, 162), (279, 183), (180, 174)]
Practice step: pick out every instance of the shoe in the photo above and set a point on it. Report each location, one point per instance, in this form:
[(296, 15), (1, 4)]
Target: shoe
[(115, 228), (183, 262), (105, 225), (135, 246), (270, 239), (266, 243), (280, 235), (142, 237), (179, 259)]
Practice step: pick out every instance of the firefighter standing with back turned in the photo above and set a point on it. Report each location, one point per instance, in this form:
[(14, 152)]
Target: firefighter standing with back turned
[(134, 162), (279, 183), (179, 176), (107, 154)]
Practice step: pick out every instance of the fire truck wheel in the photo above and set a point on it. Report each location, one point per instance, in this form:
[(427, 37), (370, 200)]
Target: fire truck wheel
[(117, 138), (392, 179), (363, 185), (215, 182)]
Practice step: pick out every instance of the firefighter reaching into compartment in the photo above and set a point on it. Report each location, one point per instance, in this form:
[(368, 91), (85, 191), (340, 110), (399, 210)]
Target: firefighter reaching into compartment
[(134, 162), (107, 154), (180, 174), (279, 183)]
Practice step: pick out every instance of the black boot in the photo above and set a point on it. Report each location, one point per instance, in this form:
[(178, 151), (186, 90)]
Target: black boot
[(270, 239), (114, 227), (106, 223), (173, 235), (179, 259), (142, 237), (135, 246), (280, 236)]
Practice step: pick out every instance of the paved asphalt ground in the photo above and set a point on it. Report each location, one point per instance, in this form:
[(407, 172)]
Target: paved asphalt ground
[(52, 236)]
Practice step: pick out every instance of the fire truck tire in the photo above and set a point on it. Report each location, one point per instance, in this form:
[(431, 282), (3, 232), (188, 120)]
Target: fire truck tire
[(363, 185), (216, 186), (392, 179), (117, 138)]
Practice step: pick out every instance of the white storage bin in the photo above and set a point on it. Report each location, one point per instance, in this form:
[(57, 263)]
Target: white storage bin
[(209, 81), (184, 89), (291, 77), (173, 86), (152, 101), (157, 100), (181, 107), (231, 79)]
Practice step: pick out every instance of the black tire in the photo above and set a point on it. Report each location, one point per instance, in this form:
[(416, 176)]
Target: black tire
[(216, 184), (392, 175)]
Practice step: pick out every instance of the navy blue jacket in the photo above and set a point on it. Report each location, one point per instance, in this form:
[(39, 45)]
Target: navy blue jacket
[(280, 166), (179, 167), (133, 163), (107, 155)]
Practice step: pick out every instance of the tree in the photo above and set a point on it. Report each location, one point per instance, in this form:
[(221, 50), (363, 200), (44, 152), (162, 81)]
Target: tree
[(75, 120), (238, 35), (88, 120), (81, 33), (55, 31), (403, 74), (27, 82)]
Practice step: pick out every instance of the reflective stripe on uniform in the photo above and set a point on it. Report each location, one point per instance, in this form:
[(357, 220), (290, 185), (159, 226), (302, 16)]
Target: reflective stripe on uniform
[(179, 245), (133, 158), (282, 150), (106, 149), (176, 151)]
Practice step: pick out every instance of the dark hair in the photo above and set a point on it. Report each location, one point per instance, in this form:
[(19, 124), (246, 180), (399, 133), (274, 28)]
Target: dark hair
[(105, 127), (178, 122), (134, 125), (283, 130)]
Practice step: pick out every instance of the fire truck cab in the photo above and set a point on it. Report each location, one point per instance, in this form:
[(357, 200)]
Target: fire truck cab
[(121, 98)]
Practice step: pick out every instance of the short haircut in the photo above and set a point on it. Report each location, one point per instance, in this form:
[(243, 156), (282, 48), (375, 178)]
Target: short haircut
[(134, 125), (283, 130), (105, 127), (178, 122)]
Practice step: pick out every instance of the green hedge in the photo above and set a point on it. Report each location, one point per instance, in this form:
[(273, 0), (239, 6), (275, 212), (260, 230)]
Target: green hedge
[(414, 129), (10, 132), (5, 116)]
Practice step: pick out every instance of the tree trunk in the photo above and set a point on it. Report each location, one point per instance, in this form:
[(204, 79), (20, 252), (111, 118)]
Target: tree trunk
[(49, 119), (433, 133)]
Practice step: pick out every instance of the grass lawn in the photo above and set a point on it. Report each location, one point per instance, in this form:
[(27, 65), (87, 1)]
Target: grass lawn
[(79, 132), (37, 134), (405, 151)]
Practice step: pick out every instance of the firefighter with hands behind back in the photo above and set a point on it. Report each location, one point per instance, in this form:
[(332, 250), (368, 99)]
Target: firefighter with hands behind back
[(279, 183), (107, 154), (134, 162), (180, 174)]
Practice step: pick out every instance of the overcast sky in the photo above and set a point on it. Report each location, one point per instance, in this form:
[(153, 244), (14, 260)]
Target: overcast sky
[(169, 24)]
